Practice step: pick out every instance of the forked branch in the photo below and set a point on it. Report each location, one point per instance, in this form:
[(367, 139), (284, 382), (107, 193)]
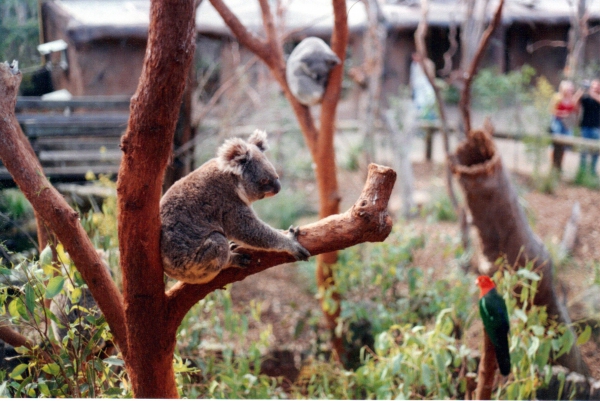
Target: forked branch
[(465, 98)]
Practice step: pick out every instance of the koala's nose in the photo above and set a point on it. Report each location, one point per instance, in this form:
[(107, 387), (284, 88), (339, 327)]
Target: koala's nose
[(276, 186)]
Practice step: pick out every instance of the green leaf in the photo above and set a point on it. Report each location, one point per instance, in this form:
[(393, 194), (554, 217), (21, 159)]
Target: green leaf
[(52, 369), (18, 370), (585, 336), (55, 285), (113, 391), (17, 309), (29, 297)]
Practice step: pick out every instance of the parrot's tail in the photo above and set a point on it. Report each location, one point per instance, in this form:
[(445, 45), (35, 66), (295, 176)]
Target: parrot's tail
[(503, 355)]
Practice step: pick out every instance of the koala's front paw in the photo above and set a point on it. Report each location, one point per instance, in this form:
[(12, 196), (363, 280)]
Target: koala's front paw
[(298, 251)]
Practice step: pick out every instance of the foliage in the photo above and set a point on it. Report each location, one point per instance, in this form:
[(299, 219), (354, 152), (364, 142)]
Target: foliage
[(213, 337), (15, 205), (19, 31), (440, 208), (586, 179), (492, 90), (285, 209), (536, 340), (68, 361), (17, 224)]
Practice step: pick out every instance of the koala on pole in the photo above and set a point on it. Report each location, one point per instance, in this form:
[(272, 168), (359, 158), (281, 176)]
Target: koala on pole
[(307, 70), (207, 214)]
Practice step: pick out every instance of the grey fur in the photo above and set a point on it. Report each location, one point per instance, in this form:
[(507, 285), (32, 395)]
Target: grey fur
[(307, 70), (204, 211)]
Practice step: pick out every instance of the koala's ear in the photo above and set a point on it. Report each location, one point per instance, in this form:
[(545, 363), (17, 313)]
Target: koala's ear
[(232, 155), (259, 139)]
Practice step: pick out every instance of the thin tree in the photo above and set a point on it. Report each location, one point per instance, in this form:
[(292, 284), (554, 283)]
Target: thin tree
[(319, 141), (144, 318)]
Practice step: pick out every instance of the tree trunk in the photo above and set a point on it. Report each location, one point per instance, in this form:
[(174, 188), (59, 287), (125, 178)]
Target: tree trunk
[(577, 40), (502, 225), (146, 149), (374, 54)]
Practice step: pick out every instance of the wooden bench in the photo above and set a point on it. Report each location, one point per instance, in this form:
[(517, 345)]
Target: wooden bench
[(74, 137)]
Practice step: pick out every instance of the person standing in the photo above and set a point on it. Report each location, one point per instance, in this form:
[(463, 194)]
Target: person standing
[(423, 94), (564, 108), (590, 124)]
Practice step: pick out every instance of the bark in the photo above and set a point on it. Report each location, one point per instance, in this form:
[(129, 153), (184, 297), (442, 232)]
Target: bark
[(146, 150), (578, 34), (18, 157), (502, 225), (325, 170), (487, 370), (319, 141), (374, 50), (367, 221)]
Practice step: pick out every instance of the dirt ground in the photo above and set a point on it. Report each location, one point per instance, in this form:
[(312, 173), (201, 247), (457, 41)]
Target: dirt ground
[(286, 298)]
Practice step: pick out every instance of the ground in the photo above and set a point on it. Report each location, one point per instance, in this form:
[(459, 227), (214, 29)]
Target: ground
[(287, 299)]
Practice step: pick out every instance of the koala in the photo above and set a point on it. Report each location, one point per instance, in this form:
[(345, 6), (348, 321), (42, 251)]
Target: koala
[(207, 214), (307, 70)]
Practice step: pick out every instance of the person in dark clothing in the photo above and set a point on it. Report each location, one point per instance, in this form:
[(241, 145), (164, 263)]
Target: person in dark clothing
[(590, 124)]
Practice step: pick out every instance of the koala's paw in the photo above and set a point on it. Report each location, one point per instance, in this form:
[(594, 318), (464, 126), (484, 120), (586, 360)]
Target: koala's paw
[(240, 260), (297, 251)]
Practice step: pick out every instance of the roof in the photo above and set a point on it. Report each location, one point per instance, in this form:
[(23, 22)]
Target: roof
[(407, 13), (96, 19)]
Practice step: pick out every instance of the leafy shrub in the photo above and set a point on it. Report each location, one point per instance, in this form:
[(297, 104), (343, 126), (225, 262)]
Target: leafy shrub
[(440, 208), (73, 365), (492, 90)]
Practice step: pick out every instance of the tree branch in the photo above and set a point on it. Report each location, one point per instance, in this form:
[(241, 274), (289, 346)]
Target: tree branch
[(272, 56), (487, 370), (465, 99), (14, 338), (366, 221), (243, 35), (18, 157)]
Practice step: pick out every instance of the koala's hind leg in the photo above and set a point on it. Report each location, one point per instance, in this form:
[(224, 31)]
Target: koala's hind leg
[(237, 259), (198, 262)]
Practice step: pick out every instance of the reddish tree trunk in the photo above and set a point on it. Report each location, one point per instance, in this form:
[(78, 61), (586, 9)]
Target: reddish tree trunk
[(146, 149)]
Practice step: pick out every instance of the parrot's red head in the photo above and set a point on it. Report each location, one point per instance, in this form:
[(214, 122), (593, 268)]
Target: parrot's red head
[(485, 285)]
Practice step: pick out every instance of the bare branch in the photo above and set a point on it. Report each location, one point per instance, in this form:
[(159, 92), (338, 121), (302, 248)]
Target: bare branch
[(487, 370), (243, 35), (545, 43), (19, 158), (465, 99), (367, 220)]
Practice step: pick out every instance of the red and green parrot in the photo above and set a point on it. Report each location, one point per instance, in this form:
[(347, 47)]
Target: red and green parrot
[(495, 321)]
